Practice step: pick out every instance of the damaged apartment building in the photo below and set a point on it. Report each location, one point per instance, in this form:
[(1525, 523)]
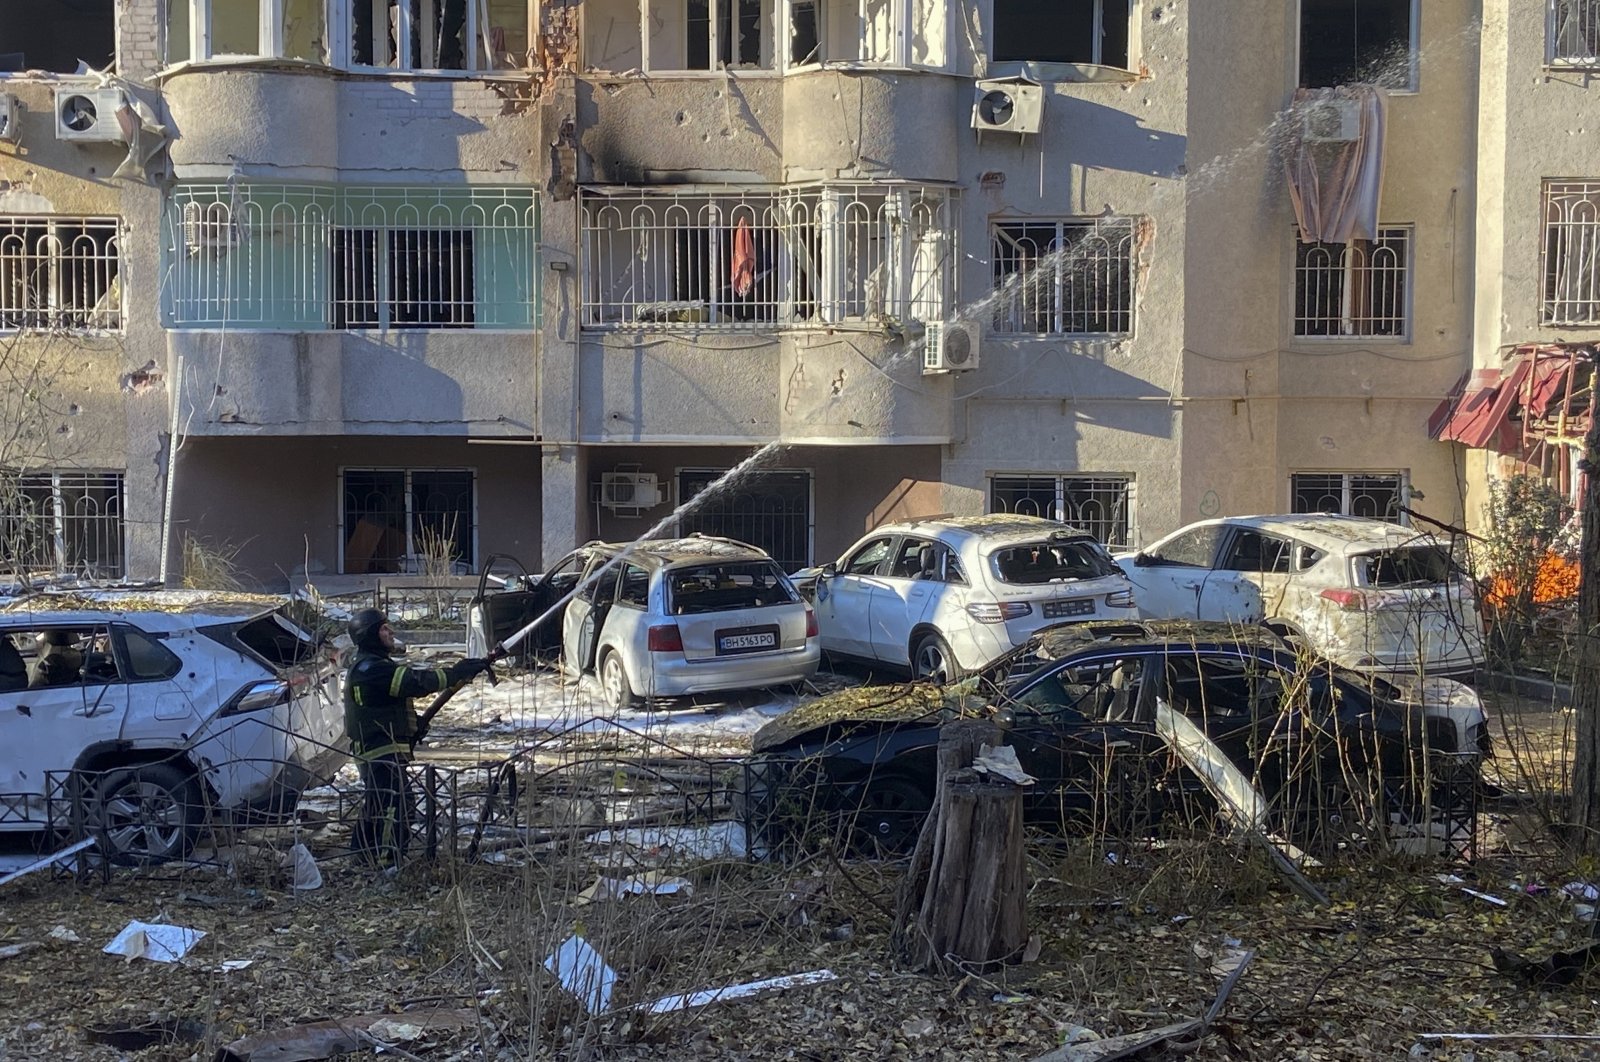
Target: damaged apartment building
[(342, 285)]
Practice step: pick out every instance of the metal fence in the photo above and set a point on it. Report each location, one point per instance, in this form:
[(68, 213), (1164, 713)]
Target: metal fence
[(63, 523), (1100, 505), (1375, 495), (814, 256)]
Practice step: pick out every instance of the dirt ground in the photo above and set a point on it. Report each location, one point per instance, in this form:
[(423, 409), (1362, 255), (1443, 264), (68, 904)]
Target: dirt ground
[(1129, 938)]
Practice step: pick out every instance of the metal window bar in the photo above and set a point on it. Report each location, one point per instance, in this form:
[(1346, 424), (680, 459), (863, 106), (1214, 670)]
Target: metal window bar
[(390, 514), (59, 273), (771, 509), (1575, 32), (1375, 495), (1064, 277), (1354, 289), (1571, 253), (314, 257), (816, 256), (1100, 505), (62, 523)]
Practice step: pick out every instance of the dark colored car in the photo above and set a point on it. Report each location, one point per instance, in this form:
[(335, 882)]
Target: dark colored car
[(1096, 713)]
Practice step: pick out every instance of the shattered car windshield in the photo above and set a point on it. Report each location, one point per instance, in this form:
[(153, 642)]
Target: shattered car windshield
[(1052, 562), (1408, 566), (724, 587)]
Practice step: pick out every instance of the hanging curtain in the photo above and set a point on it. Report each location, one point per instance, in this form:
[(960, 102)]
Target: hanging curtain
[(1336, 186)]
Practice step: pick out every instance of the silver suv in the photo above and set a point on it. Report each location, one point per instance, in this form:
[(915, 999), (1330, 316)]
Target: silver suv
[(155, 717)]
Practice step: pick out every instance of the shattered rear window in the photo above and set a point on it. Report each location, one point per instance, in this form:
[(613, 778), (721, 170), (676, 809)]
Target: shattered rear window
[(1408, 566), (725, 587), (1052, 562)]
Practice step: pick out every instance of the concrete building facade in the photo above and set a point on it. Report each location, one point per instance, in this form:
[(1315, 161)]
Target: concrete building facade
[(498, 276)]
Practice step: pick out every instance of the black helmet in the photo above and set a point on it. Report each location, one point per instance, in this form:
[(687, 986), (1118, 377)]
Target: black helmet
[(364, 628)]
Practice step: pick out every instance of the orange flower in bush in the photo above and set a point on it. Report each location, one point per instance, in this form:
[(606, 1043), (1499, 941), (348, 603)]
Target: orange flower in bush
[(1556, 580)]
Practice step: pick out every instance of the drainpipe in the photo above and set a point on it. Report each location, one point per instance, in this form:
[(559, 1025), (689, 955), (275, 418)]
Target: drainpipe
[(172, 466)]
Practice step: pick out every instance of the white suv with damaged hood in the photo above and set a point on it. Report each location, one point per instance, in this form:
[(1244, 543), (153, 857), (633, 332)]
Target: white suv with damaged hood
[(944, 597), (154, 711)]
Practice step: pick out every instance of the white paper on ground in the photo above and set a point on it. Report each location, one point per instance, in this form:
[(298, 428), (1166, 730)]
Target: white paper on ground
[(650, 883), (711, 995), (582, 971), (154, 941), (304, 875)]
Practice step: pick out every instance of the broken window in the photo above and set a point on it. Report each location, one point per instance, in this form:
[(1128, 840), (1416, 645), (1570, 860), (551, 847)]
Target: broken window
[(310, 257), (1064, 277), (1360, 288), (222, 29), (62, 523), (1100, 505), (59, 273), (1574, 32), (53, 36), (800, 257), (1374, 495), (1571, 253), (399, 519), (1062, 31), (709, 34), (1345, 42)]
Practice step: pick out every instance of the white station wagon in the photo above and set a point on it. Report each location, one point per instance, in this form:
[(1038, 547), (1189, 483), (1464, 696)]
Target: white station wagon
[(1366, 594), (692, 615), (163, 714), (942, 598)]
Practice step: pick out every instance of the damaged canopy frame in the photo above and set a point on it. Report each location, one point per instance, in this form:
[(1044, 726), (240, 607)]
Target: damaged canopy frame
[(698, 36)]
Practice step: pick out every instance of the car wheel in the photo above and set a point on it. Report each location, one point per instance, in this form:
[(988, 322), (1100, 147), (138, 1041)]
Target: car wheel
[(893, 808), (933, 660), (614, 682), (146, 814)]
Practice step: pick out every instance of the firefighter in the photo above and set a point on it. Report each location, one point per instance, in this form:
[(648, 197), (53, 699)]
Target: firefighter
[(384, 729)]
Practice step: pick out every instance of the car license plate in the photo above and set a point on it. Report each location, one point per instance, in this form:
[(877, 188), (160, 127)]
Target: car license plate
[(746, 640), (1079, 606)]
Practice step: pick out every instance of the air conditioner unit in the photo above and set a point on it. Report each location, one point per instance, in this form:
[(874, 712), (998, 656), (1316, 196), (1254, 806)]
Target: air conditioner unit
[(1012, 105), (950, 346), (629, 490), (1330, 122), (10, 115), (88, 114)]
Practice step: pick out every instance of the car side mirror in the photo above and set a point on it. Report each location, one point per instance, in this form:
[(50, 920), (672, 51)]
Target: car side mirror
[(1141, 560), (1004, 717), (830, 568)]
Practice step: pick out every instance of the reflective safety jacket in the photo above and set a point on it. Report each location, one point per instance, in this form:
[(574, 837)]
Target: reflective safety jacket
[(377, 703)]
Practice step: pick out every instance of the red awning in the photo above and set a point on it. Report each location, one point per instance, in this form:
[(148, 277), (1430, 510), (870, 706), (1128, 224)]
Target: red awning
[(1479, 416)]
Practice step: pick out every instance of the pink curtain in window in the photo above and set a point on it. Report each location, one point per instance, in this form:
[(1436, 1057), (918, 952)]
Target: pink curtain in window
[(1336, 186)]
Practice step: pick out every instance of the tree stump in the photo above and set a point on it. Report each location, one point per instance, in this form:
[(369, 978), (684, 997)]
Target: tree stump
[(964, 896)]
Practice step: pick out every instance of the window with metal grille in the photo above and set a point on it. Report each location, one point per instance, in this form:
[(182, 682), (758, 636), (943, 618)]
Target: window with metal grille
[(1064, 277), (819, 256), (1100, 505), (1571, 265), (62, 523), (1574, 28), (1361, 288), (408, 520), (59, 273), (769, 508), (1375, 495), (314, 257)]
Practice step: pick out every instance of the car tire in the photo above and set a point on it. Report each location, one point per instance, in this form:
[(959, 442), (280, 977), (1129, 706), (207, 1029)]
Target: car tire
[(932, 659), (618, 693), (146, 814), (892, 810)]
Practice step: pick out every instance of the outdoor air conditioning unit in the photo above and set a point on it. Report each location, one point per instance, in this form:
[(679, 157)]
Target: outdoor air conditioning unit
[(88, 114), (10, 116), (1331, 122), (629, 490), (1011, 105), (950, 346)]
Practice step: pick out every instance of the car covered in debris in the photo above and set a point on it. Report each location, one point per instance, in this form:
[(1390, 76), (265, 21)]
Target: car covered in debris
[(686, 616), (1364, 593), (942, 598), (1117, 724), (150, 713)]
